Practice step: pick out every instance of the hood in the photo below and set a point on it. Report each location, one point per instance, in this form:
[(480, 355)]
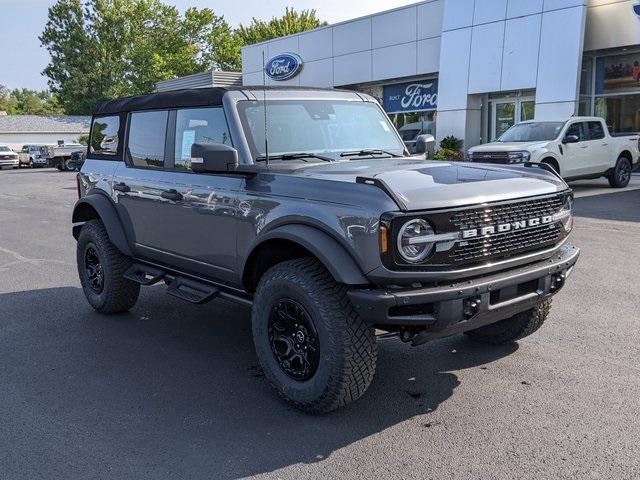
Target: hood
[(507, 146), (422, 185)]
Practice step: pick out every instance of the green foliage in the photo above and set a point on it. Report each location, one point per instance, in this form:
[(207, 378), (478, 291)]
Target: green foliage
[(291, 22), (448, 154), (112, 48), (84, 139), (451, 143), (28, 102)]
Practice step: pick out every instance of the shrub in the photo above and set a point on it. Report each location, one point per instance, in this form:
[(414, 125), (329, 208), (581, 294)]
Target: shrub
[(451, 143)]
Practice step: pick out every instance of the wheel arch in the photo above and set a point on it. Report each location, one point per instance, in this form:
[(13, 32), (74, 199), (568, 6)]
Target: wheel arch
[(96, 206), (553, 161), (294, 241), (626, 154)]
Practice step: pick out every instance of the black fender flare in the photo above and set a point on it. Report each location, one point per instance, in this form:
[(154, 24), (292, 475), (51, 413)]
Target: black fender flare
[(325, 248), (106, 211)]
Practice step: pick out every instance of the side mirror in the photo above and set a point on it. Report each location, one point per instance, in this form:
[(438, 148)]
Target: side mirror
[(570, 139), (423, 142), (213, 158)]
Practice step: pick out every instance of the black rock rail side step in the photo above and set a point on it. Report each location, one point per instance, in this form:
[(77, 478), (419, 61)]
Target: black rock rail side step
[(191, 290), (144, 274)]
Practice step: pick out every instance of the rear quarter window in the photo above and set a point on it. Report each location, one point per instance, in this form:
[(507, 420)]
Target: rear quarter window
[(105, 137)]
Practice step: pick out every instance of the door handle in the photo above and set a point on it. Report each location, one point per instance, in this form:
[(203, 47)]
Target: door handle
[(584, 146), (121, 187), (605, 144), (171, 195)]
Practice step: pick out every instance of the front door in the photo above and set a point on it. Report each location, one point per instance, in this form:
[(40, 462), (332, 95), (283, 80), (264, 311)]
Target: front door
[(507, 112), (174, 216)]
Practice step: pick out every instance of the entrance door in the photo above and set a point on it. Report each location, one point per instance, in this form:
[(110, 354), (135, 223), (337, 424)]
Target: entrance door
[(507, 112), (504, 117)]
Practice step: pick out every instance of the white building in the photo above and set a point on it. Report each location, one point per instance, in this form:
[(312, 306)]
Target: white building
[(19, 130), (472, 68)]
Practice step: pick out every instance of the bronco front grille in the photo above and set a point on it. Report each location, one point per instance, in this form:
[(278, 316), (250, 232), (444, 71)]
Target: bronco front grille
[(504, 244)]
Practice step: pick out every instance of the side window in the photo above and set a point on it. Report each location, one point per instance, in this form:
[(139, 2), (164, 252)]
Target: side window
[(576, 129), (147, 131), (198, 125), (596, 132), (104, 136), (25, 149)]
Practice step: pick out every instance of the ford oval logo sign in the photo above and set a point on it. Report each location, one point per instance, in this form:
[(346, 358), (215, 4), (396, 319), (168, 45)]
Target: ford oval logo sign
[(636, 9), (283, 66)]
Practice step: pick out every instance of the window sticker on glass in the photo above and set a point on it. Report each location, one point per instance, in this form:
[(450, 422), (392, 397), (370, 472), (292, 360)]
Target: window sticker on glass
[(385, 126), (188, 139)]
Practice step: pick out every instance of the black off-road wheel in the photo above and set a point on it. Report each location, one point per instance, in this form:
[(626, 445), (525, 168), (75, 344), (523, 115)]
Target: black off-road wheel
[(101, 267), (313, 347), (621, 174), (519, 326)]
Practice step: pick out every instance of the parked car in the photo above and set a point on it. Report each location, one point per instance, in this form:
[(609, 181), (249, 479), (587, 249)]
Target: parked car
[(31, 156), (59, 156), (8, 158), (77, 159), (581, 147), (329, 232)]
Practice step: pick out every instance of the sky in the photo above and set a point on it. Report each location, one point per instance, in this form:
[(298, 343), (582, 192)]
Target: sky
[(22, 58)]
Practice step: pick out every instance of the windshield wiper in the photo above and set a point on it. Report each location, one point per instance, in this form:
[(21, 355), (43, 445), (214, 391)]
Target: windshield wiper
[(369, 151), (294, 156)]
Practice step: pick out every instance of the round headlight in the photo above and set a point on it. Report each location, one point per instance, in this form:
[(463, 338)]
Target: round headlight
[(413, 242)]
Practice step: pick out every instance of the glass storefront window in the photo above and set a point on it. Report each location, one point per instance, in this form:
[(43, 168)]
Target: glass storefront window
[(527, 110), (618, 73), (622, 113), (584, 106), (585, 76), (412, 124)]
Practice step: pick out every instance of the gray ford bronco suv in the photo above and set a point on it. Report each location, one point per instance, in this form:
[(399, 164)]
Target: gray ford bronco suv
[(321, 222)]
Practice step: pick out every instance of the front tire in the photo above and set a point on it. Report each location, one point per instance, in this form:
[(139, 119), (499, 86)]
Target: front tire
[(621, 175), (101, 267), (313, 347), (514, 328)]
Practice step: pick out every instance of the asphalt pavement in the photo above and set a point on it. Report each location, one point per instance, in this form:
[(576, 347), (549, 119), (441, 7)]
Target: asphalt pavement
[(172, 390)]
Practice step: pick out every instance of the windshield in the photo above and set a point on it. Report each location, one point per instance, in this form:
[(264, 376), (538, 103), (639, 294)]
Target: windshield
[(326, 127), (532, 132), (5, 149)]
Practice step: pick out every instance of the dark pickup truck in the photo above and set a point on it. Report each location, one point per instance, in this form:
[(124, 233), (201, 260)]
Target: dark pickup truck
[(321, 221)]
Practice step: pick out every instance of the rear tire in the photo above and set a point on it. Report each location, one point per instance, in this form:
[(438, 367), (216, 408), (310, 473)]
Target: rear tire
[(313, 347), (101, 267), (621, 174), (519, 326)]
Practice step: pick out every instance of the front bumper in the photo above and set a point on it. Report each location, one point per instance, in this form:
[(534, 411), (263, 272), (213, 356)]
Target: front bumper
[(9, 163), (466, 305)]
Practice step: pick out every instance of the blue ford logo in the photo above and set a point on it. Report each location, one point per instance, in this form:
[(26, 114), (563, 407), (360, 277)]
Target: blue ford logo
[(636, 9), (283, 67)]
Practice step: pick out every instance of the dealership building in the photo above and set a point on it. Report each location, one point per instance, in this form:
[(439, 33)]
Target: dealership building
[(472, 68)]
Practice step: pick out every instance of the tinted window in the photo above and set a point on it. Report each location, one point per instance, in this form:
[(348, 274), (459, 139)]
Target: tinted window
[(596, 131), (147, 132), (576, 129), (198, 125), (104, 135)]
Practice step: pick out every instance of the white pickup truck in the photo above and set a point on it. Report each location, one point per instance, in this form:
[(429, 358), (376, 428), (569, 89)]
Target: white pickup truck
[(581, 147)]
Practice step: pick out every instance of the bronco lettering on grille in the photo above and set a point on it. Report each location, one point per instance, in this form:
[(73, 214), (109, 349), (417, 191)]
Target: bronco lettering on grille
[(507, 227)]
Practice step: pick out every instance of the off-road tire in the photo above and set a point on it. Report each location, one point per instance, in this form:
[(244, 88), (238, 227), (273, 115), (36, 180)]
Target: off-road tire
[(118, 294), (519, 326), (621, 174), (348, 349)]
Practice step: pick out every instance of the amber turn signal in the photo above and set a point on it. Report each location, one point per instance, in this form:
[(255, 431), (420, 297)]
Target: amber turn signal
[(384, 241)]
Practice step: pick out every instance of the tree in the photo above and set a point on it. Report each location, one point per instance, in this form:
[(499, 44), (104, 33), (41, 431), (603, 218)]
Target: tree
[(28, 102), (291, 22), (112, 48)]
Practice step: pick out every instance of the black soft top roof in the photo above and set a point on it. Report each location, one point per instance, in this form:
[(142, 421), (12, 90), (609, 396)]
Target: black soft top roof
[(188, 97)]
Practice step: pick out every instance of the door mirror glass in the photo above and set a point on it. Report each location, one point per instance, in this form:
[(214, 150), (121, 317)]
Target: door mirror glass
[(570, 139), (213, 158)]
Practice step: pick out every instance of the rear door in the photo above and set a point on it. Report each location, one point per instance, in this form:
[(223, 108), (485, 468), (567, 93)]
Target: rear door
[(574, 157), (599, 151)]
